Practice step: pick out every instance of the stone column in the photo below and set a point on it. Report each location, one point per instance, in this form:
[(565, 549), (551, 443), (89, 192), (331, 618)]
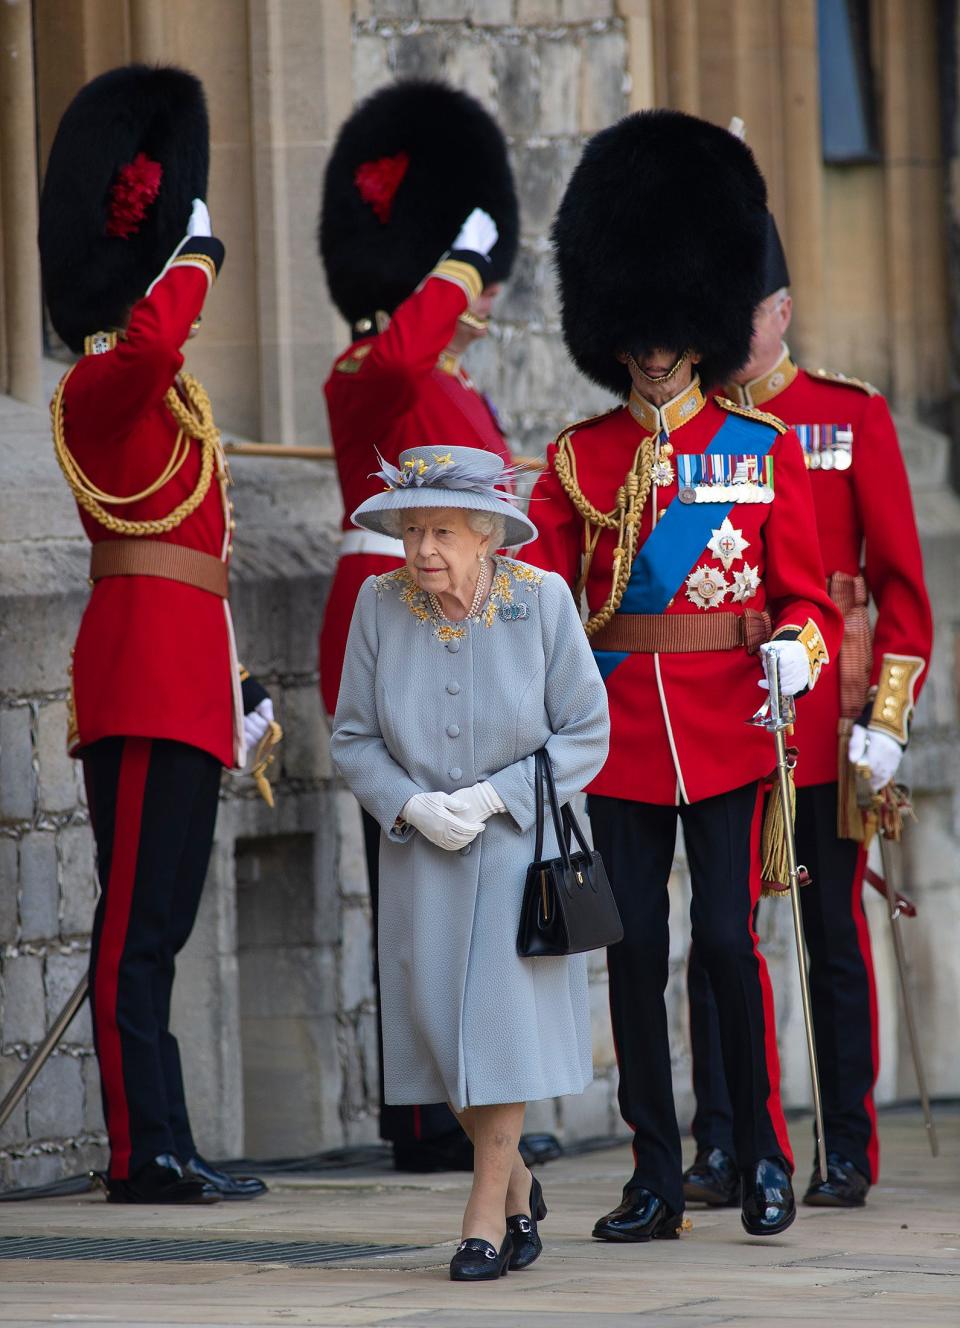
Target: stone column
[(18, 205), (895, 132), (682, 30), (641, 52), (147, 31), (802, 222), (300, 90)]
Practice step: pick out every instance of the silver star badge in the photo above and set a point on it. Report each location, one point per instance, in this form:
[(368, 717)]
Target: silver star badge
[(746, 583), (727, 544)]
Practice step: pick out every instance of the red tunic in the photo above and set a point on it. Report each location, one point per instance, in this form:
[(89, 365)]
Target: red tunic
[(153, 657), (866, 524), (386, 394), (679, 721)]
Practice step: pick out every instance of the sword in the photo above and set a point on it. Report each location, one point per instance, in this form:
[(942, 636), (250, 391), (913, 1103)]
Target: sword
[(895, 911), (42, 1054), (778, 715)]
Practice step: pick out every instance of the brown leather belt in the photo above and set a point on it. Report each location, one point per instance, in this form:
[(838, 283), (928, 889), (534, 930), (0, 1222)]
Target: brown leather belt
[(682, 633), (173, 562), (849, 593)]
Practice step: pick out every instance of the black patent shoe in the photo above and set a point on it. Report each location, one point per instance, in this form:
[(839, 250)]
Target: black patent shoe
[(845, 1187), (641, 1216), (527, 1244), (713, 1179), (161, 1182), (227, 1186), (766, 1198), (478, 1261)]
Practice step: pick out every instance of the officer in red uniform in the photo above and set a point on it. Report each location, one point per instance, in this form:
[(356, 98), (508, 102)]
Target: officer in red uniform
[(868, 539), (157, 706), (418, 229), (685, 521)]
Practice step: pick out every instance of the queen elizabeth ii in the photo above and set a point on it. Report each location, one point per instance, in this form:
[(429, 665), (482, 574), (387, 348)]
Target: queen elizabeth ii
[(459, 667)]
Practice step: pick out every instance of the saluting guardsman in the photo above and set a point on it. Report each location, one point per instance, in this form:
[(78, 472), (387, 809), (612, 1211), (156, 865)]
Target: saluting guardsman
[(686, 523), (157, 706), (418, 229), (858, 716)]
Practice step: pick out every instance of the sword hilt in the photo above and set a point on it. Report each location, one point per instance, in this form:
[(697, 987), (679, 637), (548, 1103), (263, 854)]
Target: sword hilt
[(778, 713)]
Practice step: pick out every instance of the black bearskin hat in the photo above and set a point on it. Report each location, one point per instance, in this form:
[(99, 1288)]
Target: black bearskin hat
[(109, 219), (776, 274), (659, 242), (408, 167)]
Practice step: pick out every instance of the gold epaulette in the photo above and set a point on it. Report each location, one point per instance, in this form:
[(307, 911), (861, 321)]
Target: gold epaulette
[(751, 413), (825, 376), (352, 362)]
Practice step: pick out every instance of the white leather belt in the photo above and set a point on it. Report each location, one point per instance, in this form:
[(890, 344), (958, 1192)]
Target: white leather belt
[(366, 541)]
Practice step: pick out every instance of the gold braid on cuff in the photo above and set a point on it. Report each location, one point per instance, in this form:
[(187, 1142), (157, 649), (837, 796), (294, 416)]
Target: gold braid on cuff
[(896, 692)]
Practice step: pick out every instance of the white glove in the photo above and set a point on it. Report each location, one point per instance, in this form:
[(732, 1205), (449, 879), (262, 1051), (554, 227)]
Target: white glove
[(794, 666), (428, 813), (256, 724), (199, 223), (880, 753), (476, 803), (478, 233)]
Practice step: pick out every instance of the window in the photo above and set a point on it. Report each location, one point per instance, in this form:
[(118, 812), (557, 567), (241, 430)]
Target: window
[(847, 109)]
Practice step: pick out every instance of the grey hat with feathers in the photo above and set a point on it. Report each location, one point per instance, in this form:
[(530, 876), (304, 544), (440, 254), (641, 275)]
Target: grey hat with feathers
[(465, 477)]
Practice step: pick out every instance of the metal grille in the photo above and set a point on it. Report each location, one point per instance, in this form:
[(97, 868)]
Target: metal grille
[(301, 1254)]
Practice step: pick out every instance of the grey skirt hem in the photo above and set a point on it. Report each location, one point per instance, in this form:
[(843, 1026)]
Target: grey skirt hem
[(518, 1093)]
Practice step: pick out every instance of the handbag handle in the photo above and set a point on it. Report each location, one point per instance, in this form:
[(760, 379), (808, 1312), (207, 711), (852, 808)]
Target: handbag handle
[(538, 760), (564, 821)]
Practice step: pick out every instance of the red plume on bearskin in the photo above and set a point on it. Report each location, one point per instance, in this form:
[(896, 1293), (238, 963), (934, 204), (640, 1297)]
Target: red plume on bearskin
[(378, 181), (136, 187), (102, 183)]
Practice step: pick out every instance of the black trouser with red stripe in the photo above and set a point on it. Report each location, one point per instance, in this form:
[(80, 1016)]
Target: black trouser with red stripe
[(722, 837), (842, 992), (153, 805), (401, 1125)]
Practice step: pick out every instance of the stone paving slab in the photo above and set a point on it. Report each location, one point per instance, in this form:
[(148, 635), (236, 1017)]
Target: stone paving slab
[(896, 1262)]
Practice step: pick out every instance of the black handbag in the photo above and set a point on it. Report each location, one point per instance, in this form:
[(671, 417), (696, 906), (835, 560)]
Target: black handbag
[(568, 906)]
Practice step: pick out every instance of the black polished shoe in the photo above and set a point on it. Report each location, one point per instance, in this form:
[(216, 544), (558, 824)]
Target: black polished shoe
[(641, 1216), (161, 1182), (478, 1261), (227, 1186), (713, 1179), (766, 1198), (527, 1244), (845, 1187), (447, 1152)]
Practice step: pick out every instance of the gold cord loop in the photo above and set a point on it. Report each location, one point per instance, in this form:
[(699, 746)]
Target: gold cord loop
[(624, 519), (194, 419)]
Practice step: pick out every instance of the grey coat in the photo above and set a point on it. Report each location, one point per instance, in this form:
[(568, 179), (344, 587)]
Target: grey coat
[(426, 706)]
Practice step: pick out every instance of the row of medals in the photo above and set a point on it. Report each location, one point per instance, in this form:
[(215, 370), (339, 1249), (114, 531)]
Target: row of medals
[(737, 491), (835, 455)]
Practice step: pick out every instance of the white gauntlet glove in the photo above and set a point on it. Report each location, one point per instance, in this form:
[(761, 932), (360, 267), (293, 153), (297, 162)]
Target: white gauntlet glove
[(794, 666), (199, 223), (429, 813), (876, 751), (478, 233), (256, 724), (476, 803)]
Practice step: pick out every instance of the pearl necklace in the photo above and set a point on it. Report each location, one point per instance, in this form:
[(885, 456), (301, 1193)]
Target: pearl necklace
[(475, 603)]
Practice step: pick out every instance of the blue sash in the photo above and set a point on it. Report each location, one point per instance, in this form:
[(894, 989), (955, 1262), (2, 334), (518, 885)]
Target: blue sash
[(681, 535)]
